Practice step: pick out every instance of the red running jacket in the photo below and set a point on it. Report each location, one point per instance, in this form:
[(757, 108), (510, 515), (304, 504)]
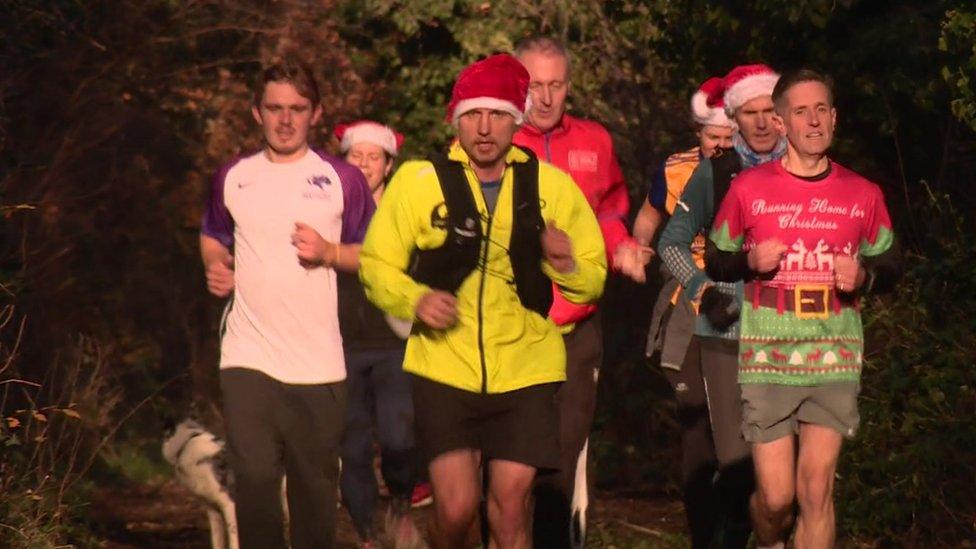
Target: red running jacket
[(583, 148)]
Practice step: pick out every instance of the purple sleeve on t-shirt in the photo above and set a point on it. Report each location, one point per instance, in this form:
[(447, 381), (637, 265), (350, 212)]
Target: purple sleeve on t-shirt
[(358, 205), (217, 222)]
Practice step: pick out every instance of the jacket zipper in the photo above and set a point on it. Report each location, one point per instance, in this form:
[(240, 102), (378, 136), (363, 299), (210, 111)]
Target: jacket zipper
[(545, 144), (483, 267), (481, 293)]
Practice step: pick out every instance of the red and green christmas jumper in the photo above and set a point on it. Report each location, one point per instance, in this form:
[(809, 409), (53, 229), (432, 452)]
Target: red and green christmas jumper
[(840, 214)]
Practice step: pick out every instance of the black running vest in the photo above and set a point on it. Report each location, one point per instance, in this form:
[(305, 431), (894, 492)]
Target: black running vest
[(726, 164), (446, 267)]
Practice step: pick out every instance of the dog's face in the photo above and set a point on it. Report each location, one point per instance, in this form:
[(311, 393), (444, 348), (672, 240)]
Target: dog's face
[(176, 437)]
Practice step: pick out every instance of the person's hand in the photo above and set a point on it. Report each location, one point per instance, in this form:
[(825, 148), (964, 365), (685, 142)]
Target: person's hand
[(557, 249), (631, 260), (848, 274), (220, 276), (313, 250), (721, 310), (765, 256), (437, 309)]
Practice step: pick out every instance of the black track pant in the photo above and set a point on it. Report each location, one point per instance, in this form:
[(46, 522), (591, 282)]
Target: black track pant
[(274, 427)]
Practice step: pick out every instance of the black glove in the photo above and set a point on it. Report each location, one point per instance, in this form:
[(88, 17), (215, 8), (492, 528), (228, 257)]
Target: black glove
[(720, 309)]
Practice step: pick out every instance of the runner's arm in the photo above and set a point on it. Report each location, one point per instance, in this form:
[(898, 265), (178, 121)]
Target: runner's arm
[(213, 251), (884, 270), (613, 209), (388, 247), (679, 232), (647, 224), (572, 214), (357, 211), (727, 266), (880, 253)]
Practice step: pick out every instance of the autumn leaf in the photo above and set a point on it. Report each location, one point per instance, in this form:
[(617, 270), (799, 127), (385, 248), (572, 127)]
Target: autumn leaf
[(70, 413)]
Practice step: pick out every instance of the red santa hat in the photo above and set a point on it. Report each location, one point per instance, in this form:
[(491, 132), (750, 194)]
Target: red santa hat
[(747, 82), (708, 104), (499, 82), (367, 131)]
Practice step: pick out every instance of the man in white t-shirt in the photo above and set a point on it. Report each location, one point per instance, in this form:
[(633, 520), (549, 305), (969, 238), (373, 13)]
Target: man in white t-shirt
[(277, 226)]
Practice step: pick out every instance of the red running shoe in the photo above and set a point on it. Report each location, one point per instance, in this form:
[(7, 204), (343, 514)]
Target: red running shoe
[(422, 495)]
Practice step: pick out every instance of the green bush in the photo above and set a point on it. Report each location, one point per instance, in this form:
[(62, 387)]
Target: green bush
[(909, 476)]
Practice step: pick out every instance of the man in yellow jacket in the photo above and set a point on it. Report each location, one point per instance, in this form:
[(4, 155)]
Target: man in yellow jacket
[(467, 246)]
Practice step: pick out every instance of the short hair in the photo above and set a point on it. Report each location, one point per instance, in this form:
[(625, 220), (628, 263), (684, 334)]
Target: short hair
[(542, 43), (293, 72), (800, 76)]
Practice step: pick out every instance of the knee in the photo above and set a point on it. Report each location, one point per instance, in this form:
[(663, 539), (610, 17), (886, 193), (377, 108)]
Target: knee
[(777, 500), (814, 494), (510, 508), (455, 513)]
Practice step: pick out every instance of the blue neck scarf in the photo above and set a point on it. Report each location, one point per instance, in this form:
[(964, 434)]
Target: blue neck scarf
[(750, 157)]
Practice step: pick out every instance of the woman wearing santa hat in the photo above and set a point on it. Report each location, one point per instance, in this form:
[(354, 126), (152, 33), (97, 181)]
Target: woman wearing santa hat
[(377, 386), (715, 131)]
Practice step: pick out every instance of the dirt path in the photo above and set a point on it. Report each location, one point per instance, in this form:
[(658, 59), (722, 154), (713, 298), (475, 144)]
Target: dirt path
[(165, 516)]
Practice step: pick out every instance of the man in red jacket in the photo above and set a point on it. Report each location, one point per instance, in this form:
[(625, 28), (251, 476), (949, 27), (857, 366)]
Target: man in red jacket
[(582, 148)]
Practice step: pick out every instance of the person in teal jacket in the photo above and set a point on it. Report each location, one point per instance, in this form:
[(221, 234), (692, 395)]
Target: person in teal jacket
[(714, 347)]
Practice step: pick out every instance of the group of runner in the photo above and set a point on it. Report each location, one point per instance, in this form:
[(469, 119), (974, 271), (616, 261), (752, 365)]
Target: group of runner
[(489, 261)]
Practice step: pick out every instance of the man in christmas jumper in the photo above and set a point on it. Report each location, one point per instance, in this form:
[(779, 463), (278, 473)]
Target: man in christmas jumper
[(469, 246), (277, 226), (673, 321), (713, 348), (583, 149), (810, 237)]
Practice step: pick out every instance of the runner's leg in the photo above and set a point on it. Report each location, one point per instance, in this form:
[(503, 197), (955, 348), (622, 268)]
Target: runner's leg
[(819, 452), (254, 452), (359, 488), (698, 464), (736, 479), (455, 480), (772, 502), (508, 503)]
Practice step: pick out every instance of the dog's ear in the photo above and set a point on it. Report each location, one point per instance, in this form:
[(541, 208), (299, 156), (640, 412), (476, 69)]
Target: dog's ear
[(169, 425), (194, 414)]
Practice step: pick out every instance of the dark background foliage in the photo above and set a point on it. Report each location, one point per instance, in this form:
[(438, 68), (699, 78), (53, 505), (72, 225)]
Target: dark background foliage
[(114, 113)]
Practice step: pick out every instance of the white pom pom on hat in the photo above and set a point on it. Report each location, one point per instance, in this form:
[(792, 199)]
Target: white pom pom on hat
[(708, 104)]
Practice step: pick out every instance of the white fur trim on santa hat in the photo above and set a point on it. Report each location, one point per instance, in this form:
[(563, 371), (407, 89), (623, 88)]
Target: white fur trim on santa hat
[(708, 116), (749, 88), (492, 103), (366, 132)]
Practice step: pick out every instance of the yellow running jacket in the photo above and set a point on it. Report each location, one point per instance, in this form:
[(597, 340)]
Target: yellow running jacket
[(497, 345)]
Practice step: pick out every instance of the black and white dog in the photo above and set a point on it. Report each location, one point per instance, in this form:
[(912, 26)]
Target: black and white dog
[(199, 460)]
